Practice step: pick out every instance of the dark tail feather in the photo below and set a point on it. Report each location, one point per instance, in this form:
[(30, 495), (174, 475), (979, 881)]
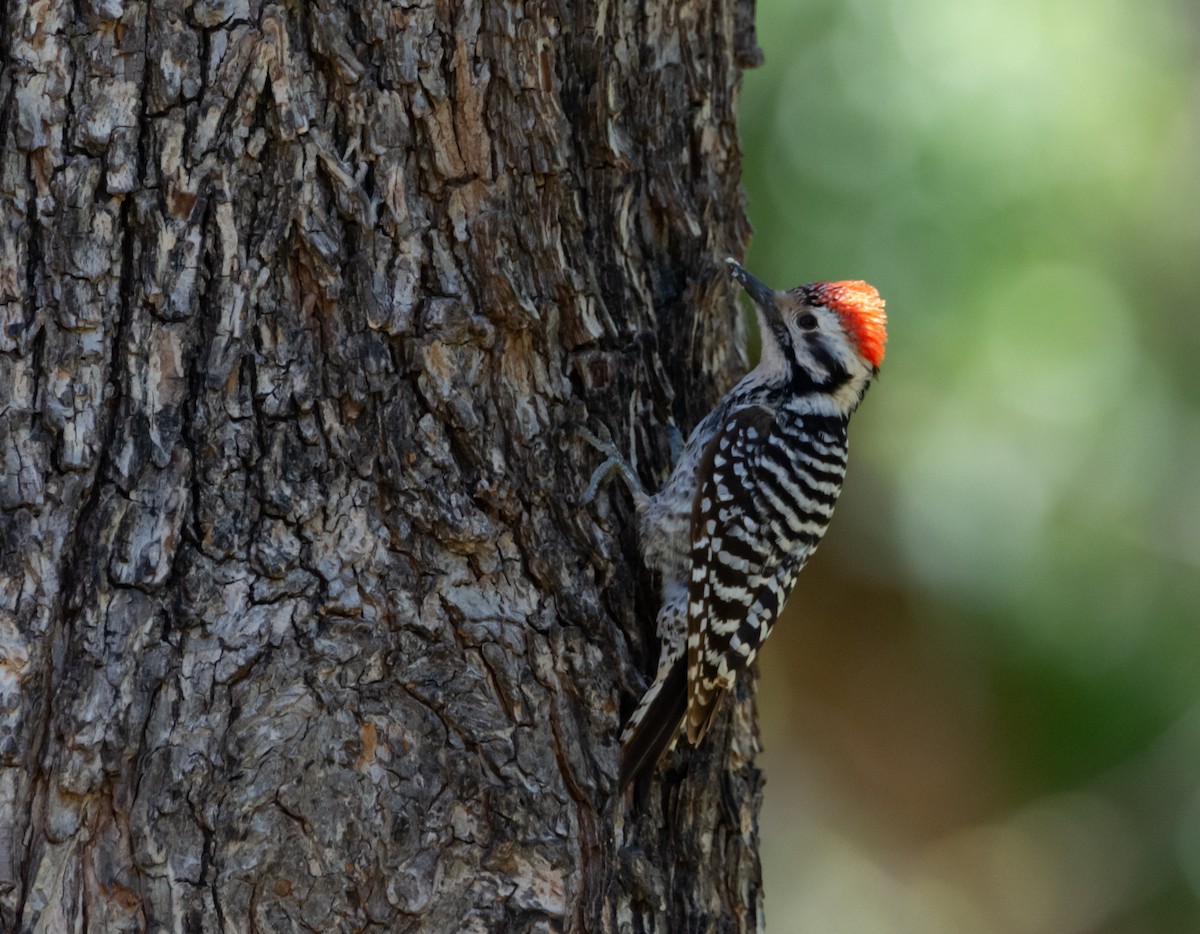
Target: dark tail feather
[(656, 727)]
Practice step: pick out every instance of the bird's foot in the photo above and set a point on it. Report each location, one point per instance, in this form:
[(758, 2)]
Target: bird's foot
[(615, 463)]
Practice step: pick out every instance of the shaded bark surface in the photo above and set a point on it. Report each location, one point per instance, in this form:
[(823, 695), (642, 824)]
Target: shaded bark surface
[(301, 627)]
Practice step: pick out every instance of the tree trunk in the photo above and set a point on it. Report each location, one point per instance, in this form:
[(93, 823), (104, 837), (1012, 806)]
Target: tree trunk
[(301, 624)]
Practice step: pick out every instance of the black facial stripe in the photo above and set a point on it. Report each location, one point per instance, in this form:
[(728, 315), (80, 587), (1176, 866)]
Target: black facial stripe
[(838, 375), (783, 337), (802, 382)]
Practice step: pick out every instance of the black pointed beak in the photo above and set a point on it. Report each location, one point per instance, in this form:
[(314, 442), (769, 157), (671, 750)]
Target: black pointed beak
[(763, 294)]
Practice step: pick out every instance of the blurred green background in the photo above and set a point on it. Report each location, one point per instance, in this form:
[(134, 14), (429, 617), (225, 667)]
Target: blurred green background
[(982, 713)]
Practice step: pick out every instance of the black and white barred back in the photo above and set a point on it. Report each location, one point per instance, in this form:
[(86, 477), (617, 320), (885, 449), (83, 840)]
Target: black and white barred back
[(749, 501), (760, 513)]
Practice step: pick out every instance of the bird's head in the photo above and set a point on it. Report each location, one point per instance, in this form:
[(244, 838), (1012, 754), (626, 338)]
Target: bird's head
[(827, 334)]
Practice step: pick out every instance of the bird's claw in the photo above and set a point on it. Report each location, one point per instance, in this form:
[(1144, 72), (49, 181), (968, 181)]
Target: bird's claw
[(614, 463)]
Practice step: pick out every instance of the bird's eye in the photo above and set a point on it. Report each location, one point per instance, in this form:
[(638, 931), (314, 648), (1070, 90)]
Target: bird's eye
[(808, 321)]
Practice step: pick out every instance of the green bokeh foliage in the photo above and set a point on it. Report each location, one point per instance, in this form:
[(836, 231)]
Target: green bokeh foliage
[(1021, 181)]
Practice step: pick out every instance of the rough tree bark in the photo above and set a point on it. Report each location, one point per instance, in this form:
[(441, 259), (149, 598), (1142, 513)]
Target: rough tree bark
[(301, 627)]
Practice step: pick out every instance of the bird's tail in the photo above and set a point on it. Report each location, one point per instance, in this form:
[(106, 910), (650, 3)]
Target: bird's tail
[(654, 726)]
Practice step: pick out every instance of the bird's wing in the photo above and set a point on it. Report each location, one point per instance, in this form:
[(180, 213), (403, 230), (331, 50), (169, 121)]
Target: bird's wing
[(731, 551), (768, 485)]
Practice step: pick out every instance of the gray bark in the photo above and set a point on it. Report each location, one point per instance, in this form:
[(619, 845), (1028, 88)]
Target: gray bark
[(301, 627)]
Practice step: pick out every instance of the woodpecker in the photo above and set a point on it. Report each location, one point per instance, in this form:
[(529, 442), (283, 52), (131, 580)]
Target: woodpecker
[(748, 501)]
